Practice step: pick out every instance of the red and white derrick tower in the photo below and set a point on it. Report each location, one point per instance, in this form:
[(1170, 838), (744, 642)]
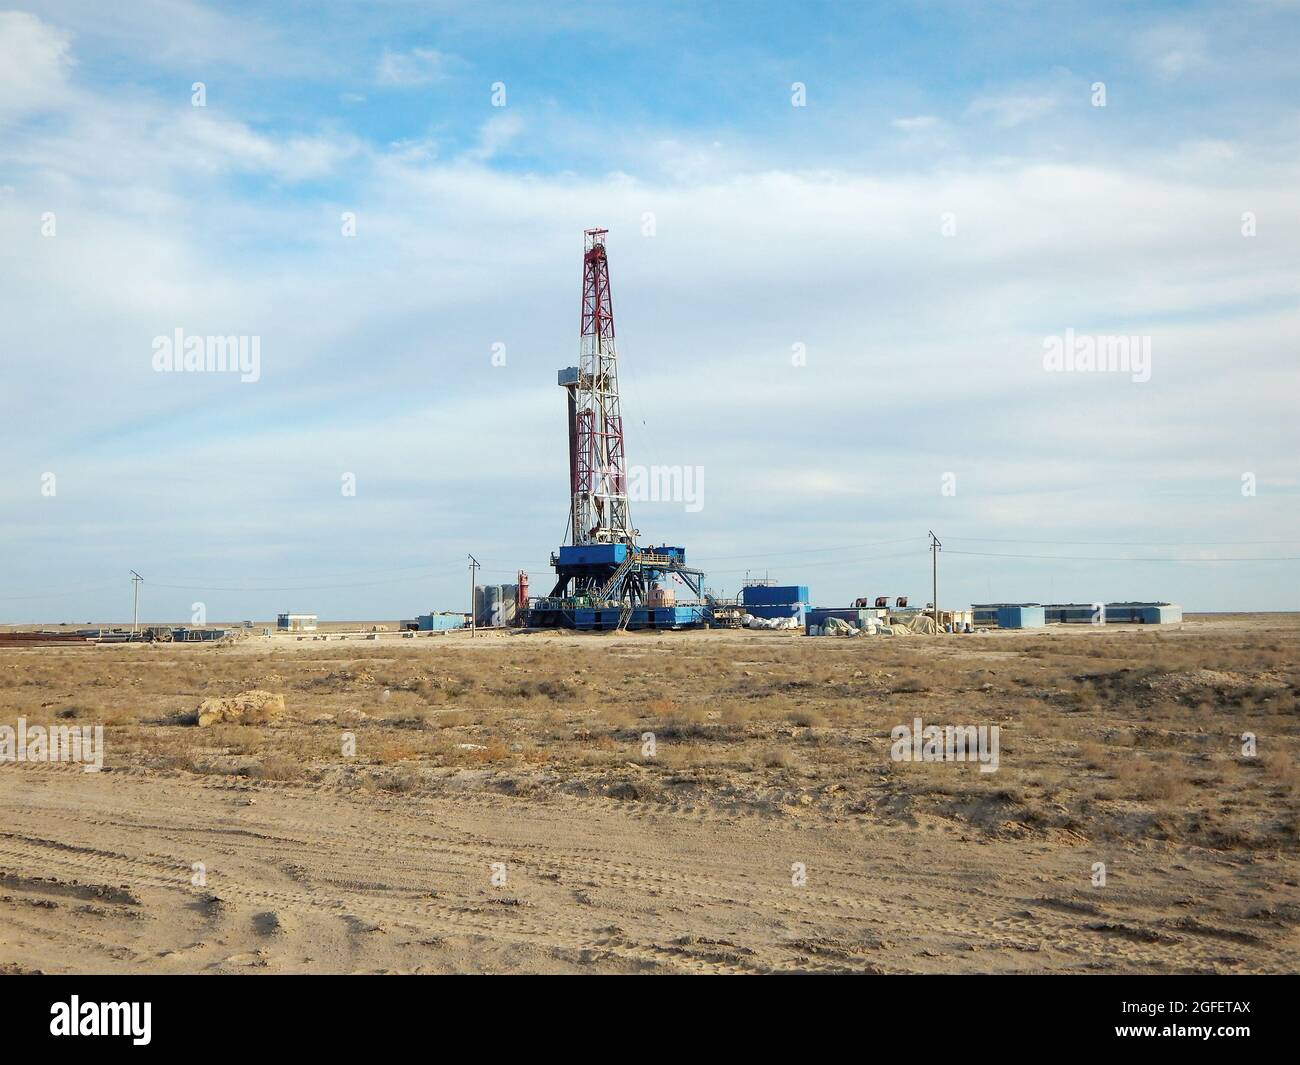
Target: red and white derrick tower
[(597, 462), (602, 568)]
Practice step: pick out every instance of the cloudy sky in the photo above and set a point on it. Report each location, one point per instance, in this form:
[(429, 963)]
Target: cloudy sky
[(843, 238)]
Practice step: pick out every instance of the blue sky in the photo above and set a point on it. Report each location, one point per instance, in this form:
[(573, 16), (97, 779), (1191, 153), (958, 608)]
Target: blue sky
[(923, 401)]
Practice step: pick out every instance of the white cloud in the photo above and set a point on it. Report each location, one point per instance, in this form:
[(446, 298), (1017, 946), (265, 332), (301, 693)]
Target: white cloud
[(155, 152), (1008, 111), (1173, 49), (915, 124), (418, 66), (220, 145), (34, 64), (190, 37), (494, 135)]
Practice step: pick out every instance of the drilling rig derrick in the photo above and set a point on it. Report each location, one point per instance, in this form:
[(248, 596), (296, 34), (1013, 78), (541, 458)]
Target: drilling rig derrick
[(603, 579)]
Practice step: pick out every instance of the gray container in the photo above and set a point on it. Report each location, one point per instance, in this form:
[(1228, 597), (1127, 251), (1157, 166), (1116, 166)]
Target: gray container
[(508, 604), (486, 599)]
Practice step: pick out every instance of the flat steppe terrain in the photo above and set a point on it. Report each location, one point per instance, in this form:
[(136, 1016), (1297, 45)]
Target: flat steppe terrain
[(490, 804)]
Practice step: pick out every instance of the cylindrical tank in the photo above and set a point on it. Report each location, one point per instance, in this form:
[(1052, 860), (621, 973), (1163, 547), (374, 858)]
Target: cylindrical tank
[(486, 599), (507, 597)]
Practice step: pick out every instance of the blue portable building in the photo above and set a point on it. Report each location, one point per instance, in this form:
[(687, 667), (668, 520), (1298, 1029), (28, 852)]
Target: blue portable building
[(773, 594), (1021, 617), (1144, 613), (987, 613), (776, 600)]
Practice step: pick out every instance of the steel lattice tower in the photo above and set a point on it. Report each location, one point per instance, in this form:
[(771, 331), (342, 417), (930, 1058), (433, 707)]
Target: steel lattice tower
[(598, 465)]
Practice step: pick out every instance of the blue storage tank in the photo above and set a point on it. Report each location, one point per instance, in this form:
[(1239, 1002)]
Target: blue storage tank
[(773, 594), (1021, 617), (593, 554), (440, 622)]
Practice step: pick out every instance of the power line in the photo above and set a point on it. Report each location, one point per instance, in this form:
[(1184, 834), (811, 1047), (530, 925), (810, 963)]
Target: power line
[(810, 550), (49, 595), (298, 587), (1101, 558), (1125, 543), (844, 563), (412, 572), (449, 563)]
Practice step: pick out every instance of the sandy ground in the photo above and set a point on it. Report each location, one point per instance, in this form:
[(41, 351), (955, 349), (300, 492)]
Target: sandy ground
[(99, 869), (317, 874)]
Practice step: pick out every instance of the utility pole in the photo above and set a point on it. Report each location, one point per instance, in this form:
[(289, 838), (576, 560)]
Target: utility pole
[(473, 571), (136, 581), (935, 548)]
